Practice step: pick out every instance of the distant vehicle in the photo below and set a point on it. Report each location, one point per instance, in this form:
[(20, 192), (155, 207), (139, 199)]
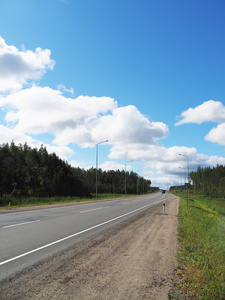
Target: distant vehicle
[(163, 191)]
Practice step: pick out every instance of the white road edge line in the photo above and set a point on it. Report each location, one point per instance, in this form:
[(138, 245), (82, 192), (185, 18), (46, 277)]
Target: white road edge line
[(25, 223), (75, 234)]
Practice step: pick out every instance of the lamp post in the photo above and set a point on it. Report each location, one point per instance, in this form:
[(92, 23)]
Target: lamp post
[(97, 165), (187, 173), (184, 174), (184, 177), (126, 176)]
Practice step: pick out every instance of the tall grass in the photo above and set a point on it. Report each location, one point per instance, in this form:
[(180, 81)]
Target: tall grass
[(201, 258)]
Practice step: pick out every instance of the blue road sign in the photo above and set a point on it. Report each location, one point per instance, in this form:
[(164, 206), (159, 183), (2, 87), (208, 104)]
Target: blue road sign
[(187, 185)]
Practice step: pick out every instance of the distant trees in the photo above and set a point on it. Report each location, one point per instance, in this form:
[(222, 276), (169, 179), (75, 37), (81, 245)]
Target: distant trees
[(209, 181), (30, 172), (27, 172), (114, 182)]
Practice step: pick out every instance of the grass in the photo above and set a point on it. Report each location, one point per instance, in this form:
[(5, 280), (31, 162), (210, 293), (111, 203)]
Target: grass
[(33, 201), (201, 258)]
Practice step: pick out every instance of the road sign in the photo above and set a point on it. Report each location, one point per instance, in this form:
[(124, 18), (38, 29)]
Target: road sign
[(187, 185)]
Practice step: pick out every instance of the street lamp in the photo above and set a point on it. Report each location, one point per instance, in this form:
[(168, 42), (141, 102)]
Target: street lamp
[(184, 176), (97, 165), (184, 173), (187, 165), (126, 176), (187, 174)]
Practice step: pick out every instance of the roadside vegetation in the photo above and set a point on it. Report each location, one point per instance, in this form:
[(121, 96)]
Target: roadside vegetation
[(201, 256), (209, 181)]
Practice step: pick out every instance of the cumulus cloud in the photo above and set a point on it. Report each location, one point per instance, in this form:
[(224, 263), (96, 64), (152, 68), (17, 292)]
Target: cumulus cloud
[(122, 126), (43, 110), (17, 67), (7, 135), (163, 181), (126, 125), (165, 167), (83, 120), (209, 111), (217, 135)]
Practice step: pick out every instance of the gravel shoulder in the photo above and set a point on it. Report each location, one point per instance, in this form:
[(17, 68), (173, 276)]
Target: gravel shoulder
[(132, 260)]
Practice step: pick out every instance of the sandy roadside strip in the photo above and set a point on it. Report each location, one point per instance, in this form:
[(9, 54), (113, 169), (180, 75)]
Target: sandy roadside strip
[(132, 260)]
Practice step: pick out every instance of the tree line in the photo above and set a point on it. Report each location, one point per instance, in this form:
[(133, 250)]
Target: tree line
[(32, 172), (209, 181)]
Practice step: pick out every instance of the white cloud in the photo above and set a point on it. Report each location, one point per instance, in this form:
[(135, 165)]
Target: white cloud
[(166, 161), (126, 125), (205, 160), (86, 165), (7, 135), (62, 152), (209, 111), (165, 167), (62, 88), (43, 110), (217, 135), (18, 67), (112, 165), (83, 120), (163, 182)]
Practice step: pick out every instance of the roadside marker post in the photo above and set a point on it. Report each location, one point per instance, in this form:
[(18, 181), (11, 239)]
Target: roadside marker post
[(164, 208)]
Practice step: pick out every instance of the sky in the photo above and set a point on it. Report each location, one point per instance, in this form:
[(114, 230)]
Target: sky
[(148, 76)]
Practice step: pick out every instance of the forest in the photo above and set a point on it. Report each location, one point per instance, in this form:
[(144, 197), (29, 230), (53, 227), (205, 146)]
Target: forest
[(32, 172), (209, 181)]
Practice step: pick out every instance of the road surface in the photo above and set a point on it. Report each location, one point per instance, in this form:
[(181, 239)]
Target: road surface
[(30, 236)]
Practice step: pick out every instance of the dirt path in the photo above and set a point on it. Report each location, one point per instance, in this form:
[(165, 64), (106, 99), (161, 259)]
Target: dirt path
[(132, 260)]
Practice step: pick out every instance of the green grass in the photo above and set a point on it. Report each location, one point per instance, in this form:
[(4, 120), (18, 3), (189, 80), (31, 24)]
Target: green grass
[(201, 258), (33, 201)]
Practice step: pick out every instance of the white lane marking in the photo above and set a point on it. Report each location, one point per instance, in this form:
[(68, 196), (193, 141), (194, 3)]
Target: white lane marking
[(124, 203), (136, 200), (25, 223), (73, 235), (84, 211)]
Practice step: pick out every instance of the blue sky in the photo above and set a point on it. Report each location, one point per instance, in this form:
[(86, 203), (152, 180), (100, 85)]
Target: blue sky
[(146, 75)]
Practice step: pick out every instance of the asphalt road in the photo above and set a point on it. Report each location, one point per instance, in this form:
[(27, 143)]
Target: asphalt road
[(30, 236)]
